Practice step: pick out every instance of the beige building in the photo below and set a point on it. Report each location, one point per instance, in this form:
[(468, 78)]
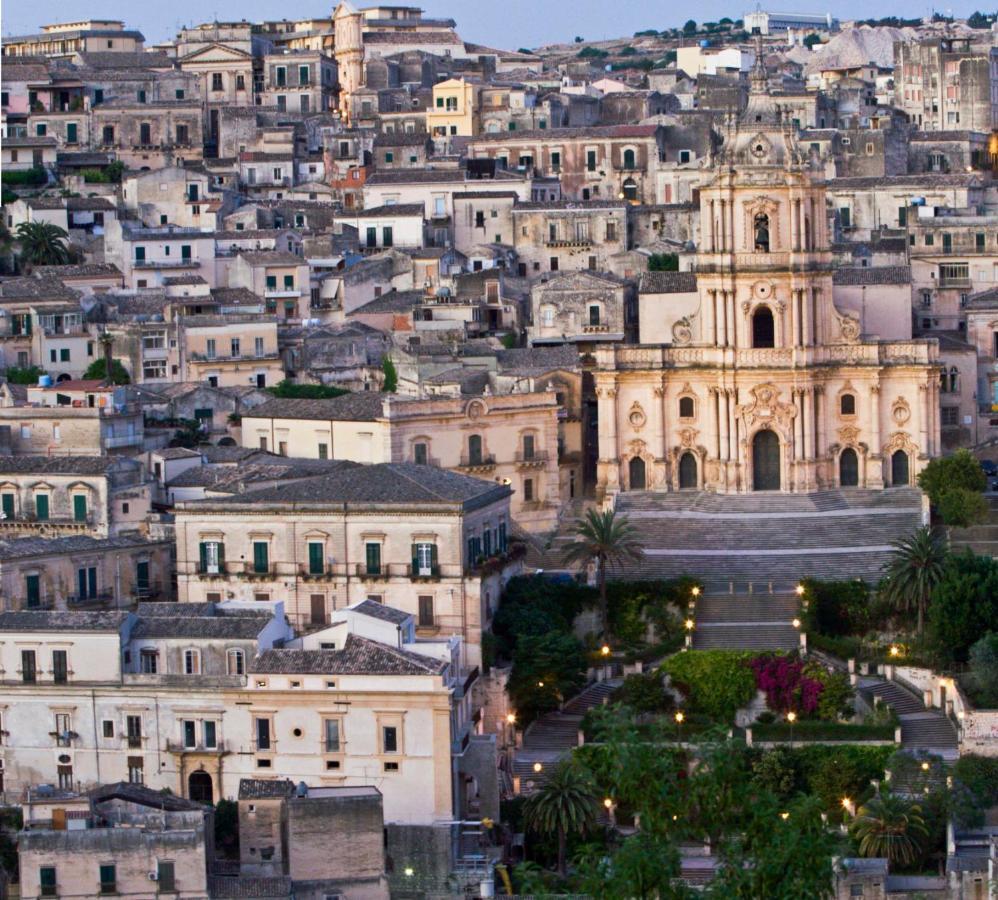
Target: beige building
[(510, 439), (767, 384), (232, 350), (454, 111), (63, 40), (281, 278), (583, 306), (432, 543)]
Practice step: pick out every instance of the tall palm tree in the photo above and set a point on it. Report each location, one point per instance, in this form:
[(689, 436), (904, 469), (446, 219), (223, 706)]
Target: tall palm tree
[(608, 540), (566, 804), (890, 827), (914, 569), (42, 244)]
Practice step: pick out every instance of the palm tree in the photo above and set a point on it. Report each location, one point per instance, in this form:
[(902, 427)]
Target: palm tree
[(890, 827), (914, 570), (606, 539), (566, 804), (42, 244)]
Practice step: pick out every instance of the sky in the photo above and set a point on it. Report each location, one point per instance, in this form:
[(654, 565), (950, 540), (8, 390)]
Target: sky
[(509, 24)]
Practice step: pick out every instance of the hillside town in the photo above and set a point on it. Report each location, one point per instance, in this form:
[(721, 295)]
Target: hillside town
[(430, 470)]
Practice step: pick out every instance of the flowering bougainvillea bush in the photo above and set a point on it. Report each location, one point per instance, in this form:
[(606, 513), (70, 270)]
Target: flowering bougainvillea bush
[(806, 688)]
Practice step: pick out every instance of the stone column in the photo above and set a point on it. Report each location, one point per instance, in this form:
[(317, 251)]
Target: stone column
[(875, 423), (710, 317), (793, 224), (792, 317), (709, 237), (713, 436), (821, 440), (798, 424), (730, 319), (807, 401), (658, 451), (923, 401), (805, 305), (724, 444), (723, 224)]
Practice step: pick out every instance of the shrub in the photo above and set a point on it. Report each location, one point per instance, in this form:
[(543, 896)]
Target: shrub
[(963, 606), (714, 682), (294, 391), (663, 262), (592, 53), (836, 607), (954, 484), (823, 731), (975, 788), (777, 771), (27, 177), (982, 679), (836, 695), (961, 507), (391, 382), (547, 668), (785, 684), (644, 693), (831, 773), (28, 375)]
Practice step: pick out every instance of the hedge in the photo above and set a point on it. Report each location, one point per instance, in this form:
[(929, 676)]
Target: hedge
[(34, 176), (714, 682), (805, 731)]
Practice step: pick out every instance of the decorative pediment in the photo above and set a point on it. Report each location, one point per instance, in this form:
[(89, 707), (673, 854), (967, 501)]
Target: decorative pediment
[(766, 409), (215, 53), (849, 435)]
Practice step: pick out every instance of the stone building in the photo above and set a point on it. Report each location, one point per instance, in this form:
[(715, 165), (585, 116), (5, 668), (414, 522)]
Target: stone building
[(298, 82), (947, 83), (568, 235), (582, 306), (149, 135), (767, 385)]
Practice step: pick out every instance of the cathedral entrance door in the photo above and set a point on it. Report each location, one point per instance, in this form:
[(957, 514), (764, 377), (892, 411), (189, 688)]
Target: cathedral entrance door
[(687, 472), (636, 474), (899, 468), (766, 462), (848, 468)]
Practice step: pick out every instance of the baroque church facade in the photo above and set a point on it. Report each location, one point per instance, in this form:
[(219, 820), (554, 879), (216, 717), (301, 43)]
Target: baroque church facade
[(766, 384)]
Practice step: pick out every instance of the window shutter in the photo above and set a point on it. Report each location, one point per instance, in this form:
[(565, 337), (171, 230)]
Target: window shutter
[(203, 552), (433, 557), (81, 582), (221, 557)]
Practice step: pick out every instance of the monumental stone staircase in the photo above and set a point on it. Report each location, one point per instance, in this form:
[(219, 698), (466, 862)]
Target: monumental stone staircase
[(768, 539), (746, 622), (983, 538), (553, 735), (922, 729)]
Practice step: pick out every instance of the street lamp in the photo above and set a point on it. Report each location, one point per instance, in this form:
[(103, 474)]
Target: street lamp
[(796, 623), (511, 718), (408, 871), (679, 725), (784, 816), (791, 718), (608, 803), (538, 767), (799, 590), (690, 624), (925, 767), (894, 650)]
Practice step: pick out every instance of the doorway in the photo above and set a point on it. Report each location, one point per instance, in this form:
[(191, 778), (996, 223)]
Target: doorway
[(199, 788), (899, 468), (848, 468), (766, 461), (687, 472), (636, 474)]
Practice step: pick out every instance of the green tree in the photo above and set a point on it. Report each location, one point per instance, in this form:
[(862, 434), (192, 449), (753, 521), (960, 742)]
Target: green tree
[(983, 677), (914, 570), (980, 20), (294, 391), (565, 805), (97, 370), (547, 667), (690, 27), (964, 605), (42, 244), (391, 382), (954, 485), (663, 262), (891, 827), (644, 866), (28, 375), (227, 828), (607, 540), (810, 40)]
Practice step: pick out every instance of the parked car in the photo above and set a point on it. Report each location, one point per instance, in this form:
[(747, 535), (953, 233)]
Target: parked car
[(990, 468)]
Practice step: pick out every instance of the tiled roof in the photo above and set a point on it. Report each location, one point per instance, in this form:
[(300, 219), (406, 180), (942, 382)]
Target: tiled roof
[(359, 656), (527, 360), (140, 794), (667, 282), (382, 483), (55, 465), (262, 788), (924, 182), (568, 205), (202, 627), (435, 176), (27, 547), (872, 275), (380, 611), (121, 60), (398, 209), (77, 620), (21, 287), (552, 135), (411, 37), (393, 301), (272, 258), (984, 300), (84, 270), (360, 407)]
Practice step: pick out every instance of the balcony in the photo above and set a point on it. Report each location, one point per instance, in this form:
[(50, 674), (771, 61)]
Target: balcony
[(101, 598), (596, 329), (424, 573), (113, 442), (188, 263), (278, 293), (950, 281), (571, 242), (180, 747), (306, 573), (536, 458), (480, 462)]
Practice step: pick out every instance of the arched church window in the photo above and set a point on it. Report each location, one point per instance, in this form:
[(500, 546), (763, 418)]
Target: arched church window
[(761, 228), (763, 328), (847, 404), (944, 381), (686, 408)]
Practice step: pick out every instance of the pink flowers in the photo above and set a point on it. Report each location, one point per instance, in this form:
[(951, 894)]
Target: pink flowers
[(786, 685)]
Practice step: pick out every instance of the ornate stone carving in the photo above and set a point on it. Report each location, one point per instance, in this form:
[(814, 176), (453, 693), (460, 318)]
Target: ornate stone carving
[(687, 438), (848, 435), (476, 409), (849, 327), (637, 416), (682, 331), (746, 306), (900, 411), (766, 409)]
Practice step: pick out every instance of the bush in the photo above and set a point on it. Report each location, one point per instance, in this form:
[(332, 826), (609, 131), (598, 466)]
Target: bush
[(975, 789), (954, 484), (785, 684), (110, 174), (98, 370), (227, 829), (822, 731), (982, 680), (26, 177), (663, 262), (714, 682), (644, 693), (547, 668), (391, 382), (592, 53), (836, 607), (29, 375), (634, 604), (963, 606), (294, 391), (831, 773)]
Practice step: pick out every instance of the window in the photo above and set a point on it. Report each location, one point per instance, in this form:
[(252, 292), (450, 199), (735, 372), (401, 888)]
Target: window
[(262, 730), (686, 409), (209, 735), (80, 507), (331, 735), (528, 490), (373, 558), (424, 558), (316, 557), (590, 160), (847, 404), (133, 731), (107, 728), (213, 556), (148, 661), (950, 416), (165, 875), (60, 666), (46, 881), (71, 132), (7, 505), (289, 282), (63, 730), (845, 217), (192, 662), (419, 455), (303, 75), (41, 129), (594, 315), (235, 662), (323, 451), (629, 159), (29, 672), (216, 81), (389, 739), (261, 560), (474, 449), (32, 591), (64, 773), (41, 507), (145, 134), (240, 82), (426, 619), (235, 346)]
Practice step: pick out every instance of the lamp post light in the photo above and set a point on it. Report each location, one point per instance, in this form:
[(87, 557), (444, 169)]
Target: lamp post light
[(791, 718), (538, 767), (795, 623), (894, 651), (784, 816), (680, 717), (604, 652), (848, 806)]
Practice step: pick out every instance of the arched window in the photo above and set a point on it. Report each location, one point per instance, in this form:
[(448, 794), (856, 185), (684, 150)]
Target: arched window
[(686, 408), (235, 662), (954, 380), (145, 133), (629, 159), (944, 381), (848, 468), (630, 189), (474, 449), (847, 404), (419, 454), (899, 469), (761, 228), (763, 328), (636, 474), (594, 315)]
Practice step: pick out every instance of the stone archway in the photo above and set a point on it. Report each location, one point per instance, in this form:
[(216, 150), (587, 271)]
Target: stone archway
[(900, 469), (637, 478), (763, 328), (199, 787), (688, 478), (848, 468), (765, 461)]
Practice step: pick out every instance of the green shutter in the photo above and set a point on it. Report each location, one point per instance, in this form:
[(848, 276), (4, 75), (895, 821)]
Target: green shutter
[(33, 590), (8, 506), (433, 558), (203, 554), (80, 507), (221, 557), (315, 561), (374, 559), (260, 561), (415, 558), (142, 575), (92, 581), (42, 507), (81, 583)]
